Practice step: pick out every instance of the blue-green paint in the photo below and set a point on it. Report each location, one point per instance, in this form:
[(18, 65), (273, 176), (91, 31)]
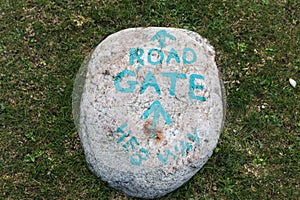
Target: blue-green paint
[(173, 55), (157, 109), (123, 134), (131, 84), (185, 147), (138, 68), (184, 56), (150, 80), (194, 137), (173, 77), (160, 56), (164, 158), (144, 151), (136, 54), (131, 142), (161, 36), (152, 136), (194, 86), (176, 148), (137, 158)]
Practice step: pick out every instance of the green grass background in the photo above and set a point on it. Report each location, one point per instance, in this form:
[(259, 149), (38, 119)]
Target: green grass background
[(43, 43)]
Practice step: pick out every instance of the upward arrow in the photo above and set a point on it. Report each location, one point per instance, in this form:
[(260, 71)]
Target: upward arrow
[(161, 37), (157, 110)]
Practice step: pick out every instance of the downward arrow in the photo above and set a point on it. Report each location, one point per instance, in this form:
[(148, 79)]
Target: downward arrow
[(157, 109)]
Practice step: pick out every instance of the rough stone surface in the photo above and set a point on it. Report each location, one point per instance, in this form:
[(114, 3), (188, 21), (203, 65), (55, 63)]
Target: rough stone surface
[(149, 109)]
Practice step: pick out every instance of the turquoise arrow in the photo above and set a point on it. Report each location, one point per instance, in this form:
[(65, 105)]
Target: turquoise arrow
[(157, 109), (161, 37)]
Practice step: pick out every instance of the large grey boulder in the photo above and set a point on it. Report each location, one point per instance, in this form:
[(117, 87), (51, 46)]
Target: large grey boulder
[(148, 106)]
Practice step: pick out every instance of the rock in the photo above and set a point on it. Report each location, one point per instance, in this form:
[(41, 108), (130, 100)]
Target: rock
[(149, 108), (293, 82)]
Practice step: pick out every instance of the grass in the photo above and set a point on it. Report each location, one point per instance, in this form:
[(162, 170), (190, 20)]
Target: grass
[(43, 43)]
